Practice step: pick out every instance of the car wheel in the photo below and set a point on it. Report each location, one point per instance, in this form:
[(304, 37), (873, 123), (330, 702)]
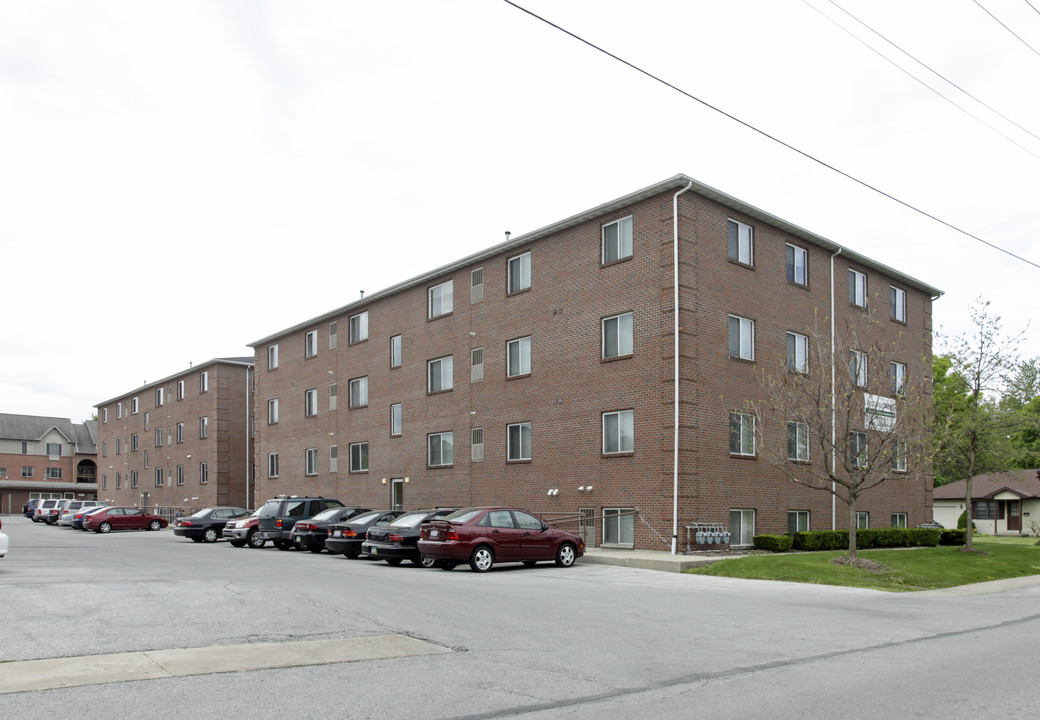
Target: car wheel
[(283, 544), (448, 565), (237, 543), (315, 548), (530, 563), (352, 555), (210, 535), (394, 561), (566, 555), (254, 540), (428, 562), (154, 525), (196, 539), (482, 559), (105, 527)]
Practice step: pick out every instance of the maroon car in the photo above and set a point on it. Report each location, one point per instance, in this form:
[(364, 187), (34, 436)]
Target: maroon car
[(122, 518), (484, 536)]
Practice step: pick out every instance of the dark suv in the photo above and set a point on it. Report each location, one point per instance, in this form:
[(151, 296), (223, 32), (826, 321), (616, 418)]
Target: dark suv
[(278, 516)]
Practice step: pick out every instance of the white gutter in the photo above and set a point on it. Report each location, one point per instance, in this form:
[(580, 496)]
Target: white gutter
[(675, 355), (834, 416)]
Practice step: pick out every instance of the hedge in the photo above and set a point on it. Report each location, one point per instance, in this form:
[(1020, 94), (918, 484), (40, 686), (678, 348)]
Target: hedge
[(867, 539), (773, 543)]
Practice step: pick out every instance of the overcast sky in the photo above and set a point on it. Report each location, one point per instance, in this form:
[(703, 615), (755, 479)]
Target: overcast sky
[(179, 179)]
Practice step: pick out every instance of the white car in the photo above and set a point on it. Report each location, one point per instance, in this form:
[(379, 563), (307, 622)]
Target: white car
[(76, 506), (4, 542)]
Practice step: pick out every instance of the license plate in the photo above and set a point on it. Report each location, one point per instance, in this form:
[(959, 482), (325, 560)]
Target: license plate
[(434, 533), (337, 533), (374, 551), (298, 539)]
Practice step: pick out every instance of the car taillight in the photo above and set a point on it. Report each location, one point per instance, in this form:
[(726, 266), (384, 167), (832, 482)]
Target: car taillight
[(452, 535), (395, 538), (278, 523), (304, 526), (349, 533), (186, 523)]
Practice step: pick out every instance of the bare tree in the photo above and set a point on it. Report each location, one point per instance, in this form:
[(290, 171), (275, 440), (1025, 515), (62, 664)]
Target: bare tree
[(848, 418)]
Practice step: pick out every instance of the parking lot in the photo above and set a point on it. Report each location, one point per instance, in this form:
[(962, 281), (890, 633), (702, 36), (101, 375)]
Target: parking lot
[(586, 641)]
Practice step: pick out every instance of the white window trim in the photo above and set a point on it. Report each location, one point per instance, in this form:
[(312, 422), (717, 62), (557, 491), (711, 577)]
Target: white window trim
[(746, 424), (445, 299), (622, 244), (745, 336), (625, 334), (744, 239), (524, 346), (514, 454), (523, 260), (622, 417)]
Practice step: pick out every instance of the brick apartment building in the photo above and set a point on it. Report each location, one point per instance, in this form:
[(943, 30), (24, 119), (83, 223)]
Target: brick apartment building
[(181, 442), (45, 457), (539, 373)]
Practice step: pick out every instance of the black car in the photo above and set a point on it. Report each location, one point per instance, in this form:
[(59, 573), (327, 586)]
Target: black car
[(207, 524), (347, 537), (310, 534), (279, 515), (397, 541)]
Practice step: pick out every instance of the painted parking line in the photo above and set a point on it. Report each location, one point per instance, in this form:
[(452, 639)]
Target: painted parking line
[(30, 675)]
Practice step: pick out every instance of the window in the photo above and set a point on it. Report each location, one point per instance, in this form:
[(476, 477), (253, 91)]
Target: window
[(617, 240), (310, 402), (742, 527), (119, 480), (741, 338), (439, 374), (158, 437), (983, 510), (858, 449), (272, 357), (476, 444), (741, 243), (180, 432), (104, 448), (899, 456), (857, 289), (858, 368), (618, 432), (518, 441), (180, 389), (310, 461), (160, 396), (333, 397), (476, 285), (797, 353), (204, 381), (27, 471), (359, 328), (272, 465), (134, 406), (441, 299), (310, 344), (203, 427), (359, 457), (518, 357), (476, 365), (441, 449), (798, 441), (618, 526), (333, 336), (899, 520), (395, 419), (741, 434), (395, 351), (180, 474), (797, 521), (797, 265), (333, 458), (617, 335), (519, 276), (26, 448), (146, 458), (146, 421), (862, 521), (272, 411), (53, 473), (358, 392), (203, 473), (897, 374), (158, 477), (104, 415), (897, 302), (119, 446), (119, 410), (133, 442)]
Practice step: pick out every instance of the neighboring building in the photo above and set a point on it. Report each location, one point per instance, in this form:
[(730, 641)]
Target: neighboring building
[(1003, 503), (539, 373), (46, 457), (181, 442)]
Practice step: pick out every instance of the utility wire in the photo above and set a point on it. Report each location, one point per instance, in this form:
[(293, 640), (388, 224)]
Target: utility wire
[(934, 72), (763, 133), (1007, 28), (1033, 6)]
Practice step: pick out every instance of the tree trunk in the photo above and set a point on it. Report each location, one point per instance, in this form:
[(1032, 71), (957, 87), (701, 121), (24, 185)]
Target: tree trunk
[(852, 527), (967, 497)]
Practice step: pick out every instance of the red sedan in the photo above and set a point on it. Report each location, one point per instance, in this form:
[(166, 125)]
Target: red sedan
[(484, 536), (122, 518)]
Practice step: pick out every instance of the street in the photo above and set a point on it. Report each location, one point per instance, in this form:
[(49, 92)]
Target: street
[(589, 641)]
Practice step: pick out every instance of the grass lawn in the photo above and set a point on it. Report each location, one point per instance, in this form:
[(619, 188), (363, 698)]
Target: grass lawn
[(904, 569)]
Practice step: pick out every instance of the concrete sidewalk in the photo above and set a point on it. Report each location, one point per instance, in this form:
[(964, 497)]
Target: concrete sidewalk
[(651, 559)]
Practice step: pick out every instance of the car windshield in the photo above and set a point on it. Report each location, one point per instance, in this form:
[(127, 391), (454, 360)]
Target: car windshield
[(202, 513), (462, 516), (270, 508), (326, 514), (409, 520), (365, 516)]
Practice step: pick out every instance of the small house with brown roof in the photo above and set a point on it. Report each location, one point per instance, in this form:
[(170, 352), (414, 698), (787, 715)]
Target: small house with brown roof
[(1003, 503)]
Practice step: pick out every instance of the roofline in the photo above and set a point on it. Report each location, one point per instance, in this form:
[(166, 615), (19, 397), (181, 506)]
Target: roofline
[(674, 183), (156, 383)]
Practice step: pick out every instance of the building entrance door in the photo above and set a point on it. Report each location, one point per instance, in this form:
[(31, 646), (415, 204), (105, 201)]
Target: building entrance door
[(397, 494), (1014, 515), (587, 526)]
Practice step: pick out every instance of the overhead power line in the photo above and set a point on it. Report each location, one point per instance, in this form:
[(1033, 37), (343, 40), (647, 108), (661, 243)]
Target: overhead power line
[(763, 133), (1020, 39)]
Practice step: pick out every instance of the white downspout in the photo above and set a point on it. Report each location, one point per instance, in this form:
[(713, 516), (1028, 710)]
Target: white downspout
[(834, 417), (675, 356)]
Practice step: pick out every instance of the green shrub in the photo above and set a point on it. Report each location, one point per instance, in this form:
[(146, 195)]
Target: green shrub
[(962, 522), (953, 537), (923, 537), (806, 541), (891, 537), (773, 543)]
